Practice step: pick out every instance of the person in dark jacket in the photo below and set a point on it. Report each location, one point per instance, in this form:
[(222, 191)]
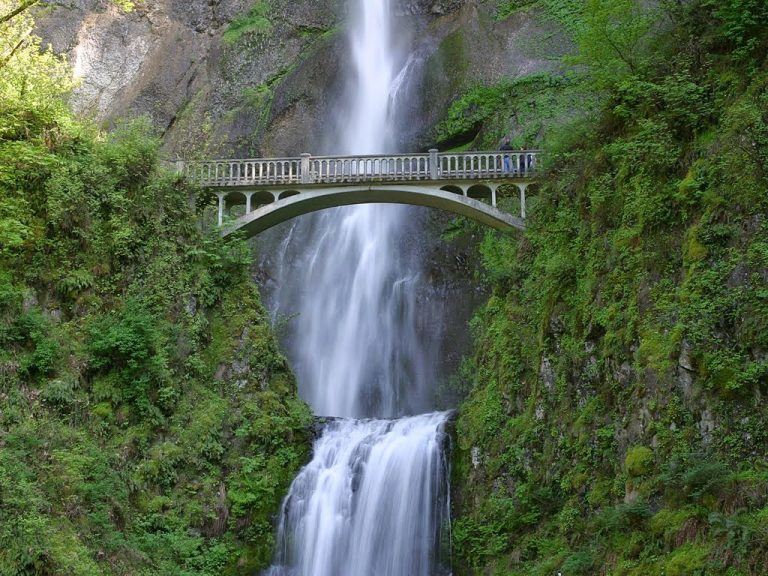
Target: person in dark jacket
[(505, 145)]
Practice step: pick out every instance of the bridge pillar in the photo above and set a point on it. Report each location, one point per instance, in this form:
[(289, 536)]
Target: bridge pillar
[(434, 172), (221, 196), (523, 188), (493, 195), (248, 196), (306, 177)]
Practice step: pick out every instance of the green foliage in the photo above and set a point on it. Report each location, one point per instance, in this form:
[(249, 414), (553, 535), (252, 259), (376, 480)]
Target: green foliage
[(32, 80), (611, 36), (132, 440), (618, 361), (256, 21), (742, 23), (128, 353), (579, 564)]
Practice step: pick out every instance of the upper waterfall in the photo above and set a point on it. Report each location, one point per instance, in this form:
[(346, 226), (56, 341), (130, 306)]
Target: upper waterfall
[(368, 129), (363, 341)]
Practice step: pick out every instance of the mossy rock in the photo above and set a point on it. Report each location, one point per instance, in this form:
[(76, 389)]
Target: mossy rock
[(687, 560), (638, 461)]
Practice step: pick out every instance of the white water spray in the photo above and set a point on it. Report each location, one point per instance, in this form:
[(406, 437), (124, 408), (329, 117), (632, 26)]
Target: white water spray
[(373, 501)]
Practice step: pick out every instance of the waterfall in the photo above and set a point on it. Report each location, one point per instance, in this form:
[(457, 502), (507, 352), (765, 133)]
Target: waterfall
[(373, 501), (363, 340)]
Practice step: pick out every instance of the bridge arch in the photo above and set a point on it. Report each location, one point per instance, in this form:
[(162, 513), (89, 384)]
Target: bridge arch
[(453, 188), (482, 191), (262, 197), (295, 205)]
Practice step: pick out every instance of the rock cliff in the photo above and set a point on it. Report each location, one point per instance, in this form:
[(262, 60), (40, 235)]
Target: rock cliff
[(254, 78)]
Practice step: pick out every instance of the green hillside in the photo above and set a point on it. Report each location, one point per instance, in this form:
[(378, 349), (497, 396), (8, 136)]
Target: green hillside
[(616, 422), (148, 422)]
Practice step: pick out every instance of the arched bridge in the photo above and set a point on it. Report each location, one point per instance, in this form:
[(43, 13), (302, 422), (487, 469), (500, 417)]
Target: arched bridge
[(277, 189)]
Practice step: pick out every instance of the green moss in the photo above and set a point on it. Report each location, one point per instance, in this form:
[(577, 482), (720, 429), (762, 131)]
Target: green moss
[(668, 523), (695, 251), (505, 8), (638, 461), (687, 560), (256, 21)]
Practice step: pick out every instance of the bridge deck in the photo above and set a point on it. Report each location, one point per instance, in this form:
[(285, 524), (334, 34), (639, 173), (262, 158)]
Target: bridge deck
[(276, 189)]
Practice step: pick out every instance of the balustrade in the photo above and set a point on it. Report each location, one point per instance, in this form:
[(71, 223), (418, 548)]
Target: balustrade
[(356, 169)]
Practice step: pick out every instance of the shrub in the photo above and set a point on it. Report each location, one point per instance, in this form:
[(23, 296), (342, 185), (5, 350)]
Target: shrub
[(129, 347), (579, 564)]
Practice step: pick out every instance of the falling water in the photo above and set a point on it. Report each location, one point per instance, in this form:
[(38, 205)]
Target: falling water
[(360, 342), (373, 501)]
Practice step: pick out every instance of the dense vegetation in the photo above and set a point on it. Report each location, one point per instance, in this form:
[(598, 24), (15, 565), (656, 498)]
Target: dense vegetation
[(148, 422), (616, 422)]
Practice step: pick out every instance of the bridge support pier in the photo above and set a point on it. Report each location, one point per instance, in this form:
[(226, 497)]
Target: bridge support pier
[(221, 196), (248, 196), (523, 188)]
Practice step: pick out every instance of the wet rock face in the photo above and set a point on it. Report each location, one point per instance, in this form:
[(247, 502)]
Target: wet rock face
[(145, 62), (168, 58), (433, 7), (269, 92)]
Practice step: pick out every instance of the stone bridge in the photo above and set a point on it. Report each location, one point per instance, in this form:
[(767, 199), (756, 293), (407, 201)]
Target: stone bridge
[(277, 189)]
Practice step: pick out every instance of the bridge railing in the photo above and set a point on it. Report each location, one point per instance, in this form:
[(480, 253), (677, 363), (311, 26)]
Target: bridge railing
[(352, 169), (272, 171), (327, 169)]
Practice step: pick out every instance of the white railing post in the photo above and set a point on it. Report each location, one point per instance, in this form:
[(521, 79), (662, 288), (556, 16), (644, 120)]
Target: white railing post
[(248, 197), (434, 169)]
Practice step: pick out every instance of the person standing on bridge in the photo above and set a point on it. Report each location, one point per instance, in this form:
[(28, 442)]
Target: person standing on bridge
[(505, 145)]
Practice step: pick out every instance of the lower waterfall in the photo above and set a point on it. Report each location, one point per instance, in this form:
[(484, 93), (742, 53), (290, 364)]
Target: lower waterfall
[(373, 501)]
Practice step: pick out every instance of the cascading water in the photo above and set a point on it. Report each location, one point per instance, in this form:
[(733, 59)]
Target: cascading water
[(373, 501), (359, 345)]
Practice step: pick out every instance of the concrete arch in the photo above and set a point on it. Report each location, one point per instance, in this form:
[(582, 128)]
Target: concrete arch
[(236, 197), (480, 191), (235, 203), (263, 197), (313, 200), (288, 194), (455, 189)]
